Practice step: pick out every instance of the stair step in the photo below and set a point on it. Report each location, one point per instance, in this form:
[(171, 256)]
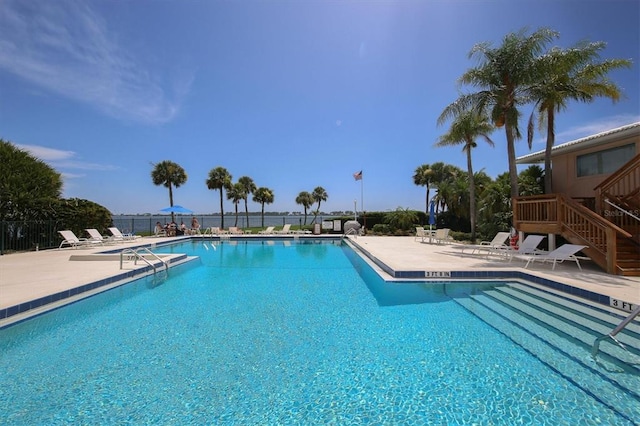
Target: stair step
[(583, 330), (602, 380), (611, 317)]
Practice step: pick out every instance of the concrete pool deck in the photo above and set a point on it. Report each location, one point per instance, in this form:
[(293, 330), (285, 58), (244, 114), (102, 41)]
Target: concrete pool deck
[(31, 276)]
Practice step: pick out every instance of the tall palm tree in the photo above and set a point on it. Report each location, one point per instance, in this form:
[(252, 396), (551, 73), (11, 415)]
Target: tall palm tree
[(319, 195), (219, 179), (236, 193), (168, 174), (503, 76), (422, 177), (249, 187), (263, 196), (464, 130), (564, 75), (305, 199)]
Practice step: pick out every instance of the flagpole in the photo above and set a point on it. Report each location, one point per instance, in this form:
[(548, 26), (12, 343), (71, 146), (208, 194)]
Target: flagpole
[(364, 216)]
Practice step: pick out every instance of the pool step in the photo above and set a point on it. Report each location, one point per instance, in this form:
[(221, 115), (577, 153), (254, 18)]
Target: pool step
[(579, 322), (605, 380)]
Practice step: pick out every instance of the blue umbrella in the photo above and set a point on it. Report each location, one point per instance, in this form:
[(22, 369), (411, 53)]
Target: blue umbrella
[(432, 214), (176, 209)]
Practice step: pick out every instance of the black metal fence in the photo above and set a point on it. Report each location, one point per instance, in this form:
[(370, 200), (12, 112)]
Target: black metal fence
[(28, 235)]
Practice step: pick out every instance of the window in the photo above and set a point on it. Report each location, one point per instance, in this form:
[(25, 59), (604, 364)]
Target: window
[(607, 161)]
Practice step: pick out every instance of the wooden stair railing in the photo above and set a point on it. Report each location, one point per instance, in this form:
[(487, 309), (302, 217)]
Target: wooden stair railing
[(623, 188), (558, 214)]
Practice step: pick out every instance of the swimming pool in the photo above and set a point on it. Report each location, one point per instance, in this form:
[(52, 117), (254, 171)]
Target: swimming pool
[(299, 332)]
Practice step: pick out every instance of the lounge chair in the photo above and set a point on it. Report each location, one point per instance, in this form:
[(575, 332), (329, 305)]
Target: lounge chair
[(71, 240), (441, 236), (119, 236), (234, 230), (95, 235), (286, 229), (528, 246), (559, 255), (498, 242), (267, 231)]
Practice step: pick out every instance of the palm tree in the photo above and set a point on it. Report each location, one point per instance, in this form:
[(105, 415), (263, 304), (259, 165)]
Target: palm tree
[(464, 130), (503, 76), (305, 199), (319, 195), (422, 177), (249, 187), (168, 174), (235, 193), (219, 179), (263, 196), (442, 176), (564, 75)]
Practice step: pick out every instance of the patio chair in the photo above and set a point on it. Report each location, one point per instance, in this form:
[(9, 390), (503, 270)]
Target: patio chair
[(267, 231), (528, 246), (286, 229), (95, 235), (71, 240), (119, 236), (234, 230), (499, 241), (441, 236), (559, 255)]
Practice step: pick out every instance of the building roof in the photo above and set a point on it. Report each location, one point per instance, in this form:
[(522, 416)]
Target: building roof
[(579, 144)]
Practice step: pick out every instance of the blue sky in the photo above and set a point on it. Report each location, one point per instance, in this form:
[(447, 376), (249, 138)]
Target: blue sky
[(294, 94)]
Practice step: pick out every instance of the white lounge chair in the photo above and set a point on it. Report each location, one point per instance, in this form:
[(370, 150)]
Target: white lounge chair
[(499, 241), (286, 229), (441, 236), (234, 230), (94, 235), (267, 231), (119, 236), (528, 246), (559, 255), (71, 240)]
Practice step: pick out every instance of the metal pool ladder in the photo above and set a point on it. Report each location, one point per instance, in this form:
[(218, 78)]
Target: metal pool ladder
[(136, 255), (618, 329)]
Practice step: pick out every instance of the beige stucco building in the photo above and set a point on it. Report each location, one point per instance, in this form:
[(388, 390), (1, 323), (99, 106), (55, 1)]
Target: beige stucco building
[(581, 165)]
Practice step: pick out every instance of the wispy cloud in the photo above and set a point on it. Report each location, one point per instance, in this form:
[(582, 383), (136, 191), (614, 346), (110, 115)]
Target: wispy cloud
[(590, 128), (62, 160), (596, 126), (65, 47)]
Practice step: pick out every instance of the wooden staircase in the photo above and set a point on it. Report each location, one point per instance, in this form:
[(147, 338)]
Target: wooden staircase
[(611, 233)]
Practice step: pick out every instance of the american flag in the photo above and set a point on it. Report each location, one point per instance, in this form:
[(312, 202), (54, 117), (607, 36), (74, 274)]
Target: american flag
[(358, 175)]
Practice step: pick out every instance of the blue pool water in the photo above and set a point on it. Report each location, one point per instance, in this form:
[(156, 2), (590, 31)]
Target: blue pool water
[(266, 333)]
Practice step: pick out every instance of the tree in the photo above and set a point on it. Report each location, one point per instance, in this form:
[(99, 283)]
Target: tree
[(168, 174), (28, 186), (235, 193), (422, 177), (263, 196), (219, 179), (504, 77), (465, 128), (401, 219), (531, 181), (564, 75), (305, 199), (319, 195), (248, 188)]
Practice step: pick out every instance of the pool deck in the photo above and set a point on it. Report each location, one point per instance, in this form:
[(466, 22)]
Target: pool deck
[(67, 273)]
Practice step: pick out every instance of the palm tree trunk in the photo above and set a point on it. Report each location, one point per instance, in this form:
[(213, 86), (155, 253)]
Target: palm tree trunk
[(511, 154), (472, 192), (236, 224), (173, 218), (262, 226), (221, 211), (551, 139), (246, 210)]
